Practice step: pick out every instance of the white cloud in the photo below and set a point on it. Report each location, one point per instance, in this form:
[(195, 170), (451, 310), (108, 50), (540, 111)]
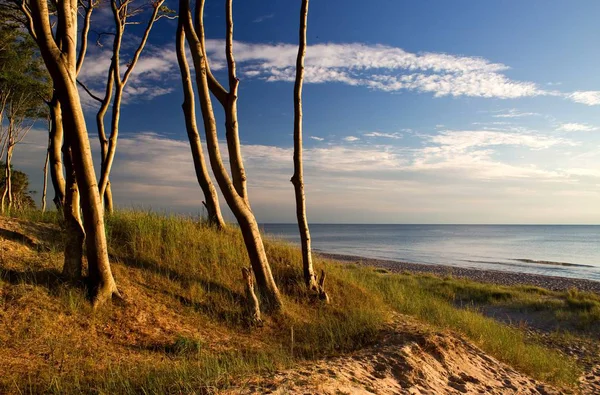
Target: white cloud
[(454, 176), (351, 138), (384, 135), (379, 67), (514, 113), (576, 127), (317, 138), (153, 75), (591, 98)]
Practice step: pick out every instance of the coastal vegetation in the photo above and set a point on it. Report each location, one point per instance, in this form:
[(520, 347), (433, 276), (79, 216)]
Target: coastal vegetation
[(182, 326), (97, 300)]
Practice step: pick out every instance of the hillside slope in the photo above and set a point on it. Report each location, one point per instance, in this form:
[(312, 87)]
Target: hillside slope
[(181, 328)]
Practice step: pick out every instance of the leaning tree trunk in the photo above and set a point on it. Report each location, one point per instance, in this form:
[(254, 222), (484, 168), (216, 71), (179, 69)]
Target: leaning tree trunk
[(61, 64), (56, 142), (236, 202), (211, 202)]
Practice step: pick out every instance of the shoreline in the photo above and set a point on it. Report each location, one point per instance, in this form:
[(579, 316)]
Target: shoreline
[(498, 277)]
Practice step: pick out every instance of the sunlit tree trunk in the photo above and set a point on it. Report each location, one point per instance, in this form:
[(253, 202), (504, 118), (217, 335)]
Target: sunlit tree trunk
[(189, 110), (56, 141), (298, 178), (236, 201)]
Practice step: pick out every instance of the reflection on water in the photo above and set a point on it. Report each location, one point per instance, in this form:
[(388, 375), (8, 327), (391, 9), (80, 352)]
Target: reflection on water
[(557, 250)]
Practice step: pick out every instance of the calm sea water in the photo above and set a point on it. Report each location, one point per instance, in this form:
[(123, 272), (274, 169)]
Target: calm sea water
[(556, 250)]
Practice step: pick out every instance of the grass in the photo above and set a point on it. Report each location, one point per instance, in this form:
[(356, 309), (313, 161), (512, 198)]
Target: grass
[(184, 329)]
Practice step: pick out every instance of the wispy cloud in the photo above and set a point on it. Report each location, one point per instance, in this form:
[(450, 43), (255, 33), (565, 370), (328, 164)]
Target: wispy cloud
[(351, 138), (153, 76), (449, 171), (576, 127), (514, 113), (395, 135), (591, 98), (379, 67), (317, 138), (263, 18), (387, 68)]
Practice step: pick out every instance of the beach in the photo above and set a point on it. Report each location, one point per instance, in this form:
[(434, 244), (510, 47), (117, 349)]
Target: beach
[(488, 276)]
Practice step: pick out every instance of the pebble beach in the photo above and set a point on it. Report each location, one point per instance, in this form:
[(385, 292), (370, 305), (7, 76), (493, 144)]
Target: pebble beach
[(488, 276)]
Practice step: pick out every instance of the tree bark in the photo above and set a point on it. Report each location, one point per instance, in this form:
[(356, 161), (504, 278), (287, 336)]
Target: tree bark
[(211, 202), (61, 64), (74, 232), (108, 199), (8, 172), (56, 142), (252, 304), (45, 175), (298, 178), (262, 271)]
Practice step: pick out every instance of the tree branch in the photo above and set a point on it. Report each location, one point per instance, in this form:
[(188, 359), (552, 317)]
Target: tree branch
[(85, 88), (84, 35)]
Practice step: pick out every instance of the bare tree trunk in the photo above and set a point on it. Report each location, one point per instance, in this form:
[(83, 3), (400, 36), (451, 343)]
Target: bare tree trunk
[(108, 199), (61, 64), (298, 178), (56, 142), (238, 172), (74, 232), (45, 171), (252, 304), (8, 173), (245, 218), (210, 193)]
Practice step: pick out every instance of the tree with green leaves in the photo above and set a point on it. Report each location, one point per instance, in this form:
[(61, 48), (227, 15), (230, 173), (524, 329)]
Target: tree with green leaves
[(21, 195), (23, 85)]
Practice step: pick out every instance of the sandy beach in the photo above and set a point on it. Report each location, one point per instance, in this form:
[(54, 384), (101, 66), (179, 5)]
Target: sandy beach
[(488, 276)]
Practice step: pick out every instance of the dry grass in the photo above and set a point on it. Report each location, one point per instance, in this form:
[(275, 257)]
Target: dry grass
[(183, 328)]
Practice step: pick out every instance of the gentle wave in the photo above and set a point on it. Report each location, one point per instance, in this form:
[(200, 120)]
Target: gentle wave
[(525, 260)]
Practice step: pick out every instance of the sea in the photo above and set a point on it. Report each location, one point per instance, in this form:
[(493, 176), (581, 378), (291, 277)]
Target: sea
[(555, 250)]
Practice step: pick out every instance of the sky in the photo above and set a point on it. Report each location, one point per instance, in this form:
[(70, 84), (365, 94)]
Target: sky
[(414, 112)]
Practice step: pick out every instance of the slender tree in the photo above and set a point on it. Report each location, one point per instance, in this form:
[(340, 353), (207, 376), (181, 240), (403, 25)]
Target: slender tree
[(234, 196), (23, 83), (45, 176), (58, 48), (54, 151), (189, 111), (122, 11), (298, 177)]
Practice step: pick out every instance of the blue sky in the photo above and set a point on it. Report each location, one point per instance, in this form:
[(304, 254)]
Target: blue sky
[(415, 112)]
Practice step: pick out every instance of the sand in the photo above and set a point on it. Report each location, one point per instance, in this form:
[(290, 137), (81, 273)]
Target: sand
[(411, 358)]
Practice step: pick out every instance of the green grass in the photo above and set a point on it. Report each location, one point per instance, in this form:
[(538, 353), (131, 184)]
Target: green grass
[(178, 268)]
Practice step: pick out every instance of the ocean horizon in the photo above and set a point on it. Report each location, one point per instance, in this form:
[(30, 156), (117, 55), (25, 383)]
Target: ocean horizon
[(556, 250)]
